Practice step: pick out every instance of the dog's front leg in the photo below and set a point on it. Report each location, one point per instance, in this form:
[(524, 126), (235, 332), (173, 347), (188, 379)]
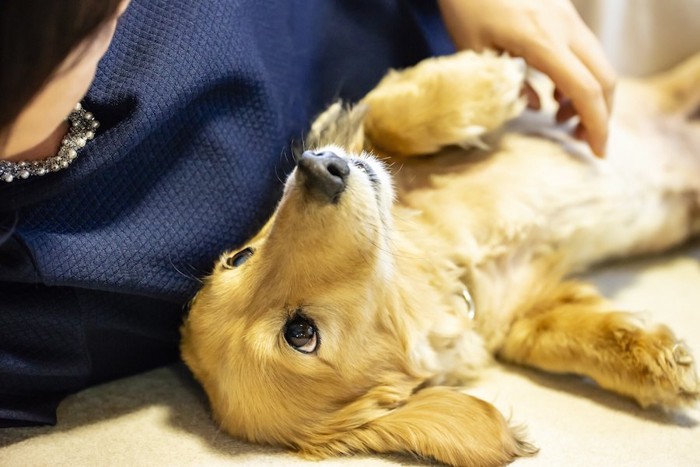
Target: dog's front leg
[(573, 330), (444, 101)]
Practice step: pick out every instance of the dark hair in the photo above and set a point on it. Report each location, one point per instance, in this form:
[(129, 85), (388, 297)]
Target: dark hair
[(36, 36)]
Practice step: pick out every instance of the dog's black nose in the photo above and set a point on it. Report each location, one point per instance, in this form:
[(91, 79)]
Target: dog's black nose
[(324, 174)]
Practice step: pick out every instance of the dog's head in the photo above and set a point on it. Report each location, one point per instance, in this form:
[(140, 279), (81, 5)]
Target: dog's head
[(301, 338)]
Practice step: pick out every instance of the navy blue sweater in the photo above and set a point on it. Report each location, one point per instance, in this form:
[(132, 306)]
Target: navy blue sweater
[(199, 102)]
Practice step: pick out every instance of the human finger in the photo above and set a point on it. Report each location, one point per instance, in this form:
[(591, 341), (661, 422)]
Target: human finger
[(581, 133), (566, 111), (559, 96), (588, 49), (531, 96), (575, 81)]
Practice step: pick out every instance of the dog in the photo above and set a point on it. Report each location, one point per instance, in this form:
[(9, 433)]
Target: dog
[(429, 229)]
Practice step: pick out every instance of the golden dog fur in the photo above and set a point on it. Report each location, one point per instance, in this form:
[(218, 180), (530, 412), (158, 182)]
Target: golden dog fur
[(407, 289)]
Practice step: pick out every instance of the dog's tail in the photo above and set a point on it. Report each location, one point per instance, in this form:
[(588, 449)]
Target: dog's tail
[(680, 88)]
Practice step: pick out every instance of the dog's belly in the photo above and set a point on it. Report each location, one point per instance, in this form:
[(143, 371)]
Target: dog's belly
[(530, 210), (529, 191)]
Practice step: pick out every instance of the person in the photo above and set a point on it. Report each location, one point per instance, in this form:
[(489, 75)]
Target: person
[(110, 218)]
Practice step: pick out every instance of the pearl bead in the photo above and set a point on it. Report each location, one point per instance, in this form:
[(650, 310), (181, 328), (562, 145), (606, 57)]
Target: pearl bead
[(82, 126)]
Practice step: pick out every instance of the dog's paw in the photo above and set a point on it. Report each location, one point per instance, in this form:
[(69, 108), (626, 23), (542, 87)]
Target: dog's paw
[(653, 367), (443, 101)]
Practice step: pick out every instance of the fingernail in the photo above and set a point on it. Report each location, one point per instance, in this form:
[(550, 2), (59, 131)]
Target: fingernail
[(599, 151)]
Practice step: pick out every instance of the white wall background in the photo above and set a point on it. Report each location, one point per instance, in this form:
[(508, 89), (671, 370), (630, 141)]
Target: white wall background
[(644, 36)]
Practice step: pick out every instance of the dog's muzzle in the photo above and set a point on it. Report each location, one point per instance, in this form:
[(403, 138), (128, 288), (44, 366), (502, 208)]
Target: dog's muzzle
[(324, 175)]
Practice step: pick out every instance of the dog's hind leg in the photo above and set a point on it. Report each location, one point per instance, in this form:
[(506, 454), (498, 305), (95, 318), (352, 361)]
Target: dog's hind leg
[(573, 330), (443, 101)]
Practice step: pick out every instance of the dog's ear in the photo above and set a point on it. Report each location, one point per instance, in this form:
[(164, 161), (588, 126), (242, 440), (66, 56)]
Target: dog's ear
[(341, 125), (439, 423)]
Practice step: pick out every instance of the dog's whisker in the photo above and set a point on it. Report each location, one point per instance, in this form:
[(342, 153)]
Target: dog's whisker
[(182, 273)]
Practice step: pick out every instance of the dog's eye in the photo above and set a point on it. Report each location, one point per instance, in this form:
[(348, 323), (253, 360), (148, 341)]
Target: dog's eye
[(239, 258), (301, 334)]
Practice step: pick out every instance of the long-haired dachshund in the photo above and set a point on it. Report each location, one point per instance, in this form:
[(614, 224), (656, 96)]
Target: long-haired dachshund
[(383, 281)]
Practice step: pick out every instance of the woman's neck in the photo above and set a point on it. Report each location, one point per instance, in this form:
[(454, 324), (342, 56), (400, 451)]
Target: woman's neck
[(47, 148)]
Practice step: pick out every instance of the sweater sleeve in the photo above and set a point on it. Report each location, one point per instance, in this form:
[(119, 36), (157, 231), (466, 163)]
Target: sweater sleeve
[(8, 222), (16, 263), (428, 18)]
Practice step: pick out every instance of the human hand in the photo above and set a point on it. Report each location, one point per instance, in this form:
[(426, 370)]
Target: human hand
[(551, 37)]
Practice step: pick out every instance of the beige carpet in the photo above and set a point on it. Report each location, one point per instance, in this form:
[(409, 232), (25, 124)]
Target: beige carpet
[(161, 418)]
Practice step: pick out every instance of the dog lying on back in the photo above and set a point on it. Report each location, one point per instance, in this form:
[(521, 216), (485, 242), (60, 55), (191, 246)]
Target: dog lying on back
[(383, 281)]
